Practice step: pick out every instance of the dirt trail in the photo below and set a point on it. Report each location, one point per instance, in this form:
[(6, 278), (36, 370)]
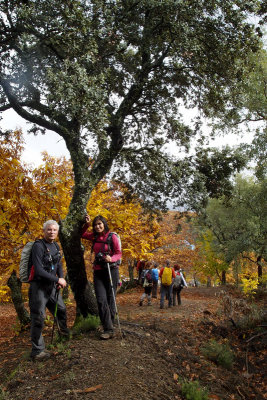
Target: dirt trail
[(159, 348)]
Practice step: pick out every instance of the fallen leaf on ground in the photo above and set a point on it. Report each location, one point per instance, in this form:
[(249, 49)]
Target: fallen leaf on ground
[(87, 390)]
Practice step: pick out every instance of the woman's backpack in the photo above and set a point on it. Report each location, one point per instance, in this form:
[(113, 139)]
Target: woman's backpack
[(177, 282)]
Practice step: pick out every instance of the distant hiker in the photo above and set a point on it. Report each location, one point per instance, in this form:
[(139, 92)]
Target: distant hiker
[(147, 283), (155, 279), (178, 284), (46, 278), (139, 268), (166, 275), (107, 249)]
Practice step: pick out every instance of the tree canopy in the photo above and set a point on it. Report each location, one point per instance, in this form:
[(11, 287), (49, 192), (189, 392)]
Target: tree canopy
[(239, 223), (110, 78)]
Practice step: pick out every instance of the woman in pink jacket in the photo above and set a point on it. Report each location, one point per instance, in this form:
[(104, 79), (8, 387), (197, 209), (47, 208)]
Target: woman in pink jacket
[(107, 250)]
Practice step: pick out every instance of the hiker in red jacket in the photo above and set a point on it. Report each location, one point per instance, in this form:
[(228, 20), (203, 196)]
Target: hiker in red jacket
[(139, 268), (107, 249), (166, 274)]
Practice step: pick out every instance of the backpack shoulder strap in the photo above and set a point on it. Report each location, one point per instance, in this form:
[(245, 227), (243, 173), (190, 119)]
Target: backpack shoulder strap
[(57, 246)]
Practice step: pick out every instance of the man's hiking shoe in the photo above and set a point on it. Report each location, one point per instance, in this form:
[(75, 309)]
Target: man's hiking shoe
[(141, 303), (44, 355), (107, 335)]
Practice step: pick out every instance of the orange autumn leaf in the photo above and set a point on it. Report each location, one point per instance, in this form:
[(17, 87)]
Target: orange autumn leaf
[(88, 390)]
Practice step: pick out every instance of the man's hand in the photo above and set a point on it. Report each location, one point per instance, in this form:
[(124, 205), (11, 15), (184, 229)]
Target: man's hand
[(107, 258), (61, 283)]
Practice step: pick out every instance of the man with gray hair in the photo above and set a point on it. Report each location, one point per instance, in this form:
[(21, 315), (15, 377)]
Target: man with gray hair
[(46, 278)]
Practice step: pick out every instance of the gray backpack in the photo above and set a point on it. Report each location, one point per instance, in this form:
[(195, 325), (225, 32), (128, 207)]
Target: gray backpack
[(24, 267), (177, 282)]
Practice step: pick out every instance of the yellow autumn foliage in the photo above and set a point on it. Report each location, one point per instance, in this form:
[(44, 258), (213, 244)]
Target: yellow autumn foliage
[(30, 196)]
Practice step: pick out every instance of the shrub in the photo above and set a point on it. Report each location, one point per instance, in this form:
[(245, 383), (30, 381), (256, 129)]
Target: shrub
[(193, 391), (86, 324), (219, 353), (254, 318)]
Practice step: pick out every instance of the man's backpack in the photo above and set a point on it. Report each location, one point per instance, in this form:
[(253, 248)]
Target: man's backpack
[(155, 275), (24, 265), (177, 282), (147, 279), (166, 277), (26, 260)]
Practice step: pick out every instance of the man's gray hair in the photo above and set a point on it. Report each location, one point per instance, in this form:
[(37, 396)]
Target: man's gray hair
[(50, 222)]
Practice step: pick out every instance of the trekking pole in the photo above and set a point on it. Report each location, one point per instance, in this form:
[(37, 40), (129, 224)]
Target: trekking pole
[(114, 298), (55, 316)]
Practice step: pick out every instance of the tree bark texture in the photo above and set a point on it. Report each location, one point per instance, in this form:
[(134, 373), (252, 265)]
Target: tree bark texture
[(15, 286), (223, 278), (82, 289)]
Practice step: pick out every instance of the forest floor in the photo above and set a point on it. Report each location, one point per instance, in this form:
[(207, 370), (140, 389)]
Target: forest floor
[(160, 348)]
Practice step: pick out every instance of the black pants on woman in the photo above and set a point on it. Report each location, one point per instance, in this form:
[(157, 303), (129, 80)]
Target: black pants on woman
[(176, 292), (104, 296)]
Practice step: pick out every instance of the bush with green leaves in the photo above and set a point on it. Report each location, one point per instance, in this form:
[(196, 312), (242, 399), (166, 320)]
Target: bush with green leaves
[(193, 391), (220, 353)]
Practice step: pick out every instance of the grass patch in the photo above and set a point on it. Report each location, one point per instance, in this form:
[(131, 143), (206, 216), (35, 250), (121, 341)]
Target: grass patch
[(4, 395), (219, 353), (193, 391), (90, 323), (253, 319)]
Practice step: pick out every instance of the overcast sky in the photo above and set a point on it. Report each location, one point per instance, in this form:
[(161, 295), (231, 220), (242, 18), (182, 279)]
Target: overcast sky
[(55, 145)]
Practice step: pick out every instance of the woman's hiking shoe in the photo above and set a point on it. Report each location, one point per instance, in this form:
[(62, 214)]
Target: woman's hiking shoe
[(107, 335), (44, 355)]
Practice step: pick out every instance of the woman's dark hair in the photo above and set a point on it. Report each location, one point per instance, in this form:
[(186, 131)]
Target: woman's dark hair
[(103, 219), (176, 267)]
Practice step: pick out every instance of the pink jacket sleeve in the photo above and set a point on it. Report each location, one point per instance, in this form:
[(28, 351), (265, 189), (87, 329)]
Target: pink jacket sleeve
[(87, 235), (116, 249)]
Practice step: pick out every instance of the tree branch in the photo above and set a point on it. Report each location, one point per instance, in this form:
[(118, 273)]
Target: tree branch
[(35, 119)]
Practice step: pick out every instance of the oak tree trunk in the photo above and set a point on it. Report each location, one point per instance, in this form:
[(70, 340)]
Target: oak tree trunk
[(15, 286), (82, 289)]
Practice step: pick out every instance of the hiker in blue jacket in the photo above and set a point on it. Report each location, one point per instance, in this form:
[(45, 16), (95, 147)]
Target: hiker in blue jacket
[(155, 279), (46, 278)]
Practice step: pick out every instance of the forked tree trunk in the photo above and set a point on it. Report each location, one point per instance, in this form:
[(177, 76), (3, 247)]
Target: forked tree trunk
[(15, 286)]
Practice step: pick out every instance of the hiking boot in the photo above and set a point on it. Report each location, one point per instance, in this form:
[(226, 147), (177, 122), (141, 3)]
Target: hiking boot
[(107, 335), (44, 355), (149, 304), (141, 303)]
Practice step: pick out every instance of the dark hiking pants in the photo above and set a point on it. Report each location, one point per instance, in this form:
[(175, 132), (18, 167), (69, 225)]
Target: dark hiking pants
[(43, 295), (104, 295), (176, 293), (155, 289), (165, 291)]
